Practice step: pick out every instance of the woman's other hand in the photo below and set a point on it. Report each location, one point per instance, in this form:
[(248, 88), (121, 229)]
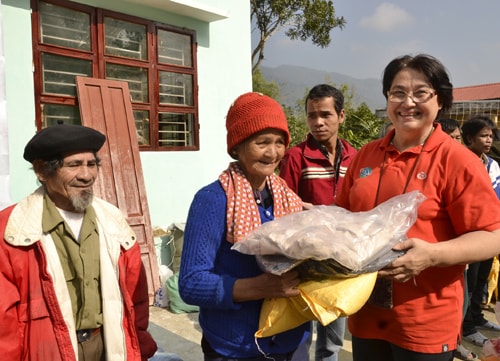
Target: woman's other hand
[(266, 285)]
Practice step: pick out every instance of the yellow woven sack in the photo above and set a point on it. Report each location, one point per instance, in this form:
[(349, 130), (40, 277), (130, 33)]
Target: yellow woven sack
[(323, 301)]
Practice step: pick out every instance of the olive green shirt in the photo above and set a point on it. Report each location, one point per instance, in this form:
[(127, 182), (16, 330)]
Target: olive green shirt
[(80, 262)]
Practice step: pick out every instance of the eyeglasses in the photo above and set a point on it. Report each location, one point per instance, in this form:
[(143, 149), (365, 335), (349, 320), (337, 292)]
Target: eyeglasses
[(419, 96)]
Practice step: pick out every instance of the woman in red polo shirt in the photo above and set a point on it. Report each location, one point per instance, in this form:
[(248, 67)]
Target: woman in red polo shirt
[(415, 311)]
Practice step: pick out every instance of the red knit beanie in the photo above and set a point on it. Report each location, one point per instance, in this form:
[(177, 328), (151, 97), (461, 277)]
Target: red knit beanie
[(249, 114)]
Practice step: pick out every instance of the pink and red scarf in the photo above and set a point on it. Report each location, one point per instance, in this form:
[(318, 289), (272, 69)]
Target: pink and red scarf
[(242, 210)]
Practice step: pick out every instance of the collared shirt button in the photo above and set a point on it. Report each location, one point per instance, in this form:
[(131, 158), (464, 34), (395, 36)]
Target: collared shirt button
[(268, 213), (27, 240)]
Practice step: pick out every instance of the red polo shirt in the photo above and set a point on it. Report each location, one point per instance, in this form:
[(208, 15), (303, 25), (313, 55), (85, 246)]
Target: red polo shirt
[(427, 313)]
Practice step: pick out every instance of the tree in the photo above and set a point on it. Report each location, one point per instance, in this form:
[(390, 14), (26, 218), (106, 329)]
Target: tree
[(261, 85), (360, 126), (305, 19), (297, 124)]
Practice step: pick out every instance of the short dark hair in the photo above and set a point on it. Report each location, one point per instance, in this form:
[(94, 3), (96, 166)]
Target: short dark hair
[(49, 167), (433, 70), (325, 91), (474, 125), (448, 125)]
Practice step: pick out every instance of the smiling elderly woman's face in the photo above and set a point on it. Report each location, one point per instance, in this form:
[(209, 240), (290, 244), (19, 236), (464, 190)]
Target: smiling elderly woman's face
[(259, 155)]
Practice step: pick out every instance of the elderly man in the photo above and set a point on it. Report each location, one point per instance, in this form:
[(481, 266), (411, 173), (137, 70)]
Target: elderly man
[(72, 283)]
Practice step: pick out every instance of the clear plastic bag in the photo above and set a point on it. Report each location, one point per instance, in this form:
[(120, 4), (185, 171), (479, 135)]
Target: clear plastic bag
[(354, 242)]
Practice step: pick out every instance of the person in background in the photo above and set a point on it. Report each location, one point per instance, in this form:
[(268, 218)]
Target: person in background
[(477, 135), (385, 128), (228, 286), (314, 169), (415, 310), (452, 128), (72, 280)]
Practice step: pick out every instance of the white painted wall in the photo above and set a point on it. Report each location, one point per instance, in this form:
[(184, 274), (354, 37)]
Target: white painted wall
[(19, 93), (172, 178)]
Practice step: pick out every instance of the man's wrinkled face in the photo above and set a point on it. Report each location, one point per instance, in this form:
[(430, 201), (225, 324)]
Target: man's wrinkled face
[(70, 188)]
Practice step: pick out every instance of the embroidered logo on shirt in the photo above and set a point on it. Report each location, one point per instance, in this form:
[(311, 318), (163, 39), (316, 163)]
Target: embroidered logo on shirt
[(365, 172)]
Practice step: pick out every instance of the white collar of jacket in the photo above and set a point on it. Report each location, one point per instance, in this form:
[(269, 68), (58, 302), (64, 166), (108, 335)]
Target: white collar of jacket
[(25, 222)]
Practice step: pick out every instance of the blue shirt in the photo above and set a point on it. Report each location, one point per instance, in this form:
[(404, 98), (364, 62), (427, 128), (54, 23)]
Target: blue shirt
[(494, 173)]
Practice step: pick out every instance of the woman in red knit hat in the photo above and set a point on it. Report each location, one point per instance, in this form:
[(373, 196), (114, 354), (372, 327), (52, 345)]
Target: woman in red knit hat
[(229, 286)]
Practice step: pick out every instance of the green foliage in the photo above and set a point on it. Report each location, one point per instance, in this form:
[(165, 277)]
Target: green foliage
[(296, 124), (303, 19), (361, 126), (261, 85)]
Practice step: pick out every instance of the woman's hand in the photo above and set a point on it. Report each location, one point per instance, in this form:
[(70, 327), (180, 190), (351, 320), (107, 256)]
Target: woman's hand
[(418, 256), (461, 250), (266, 285), (281, 286)]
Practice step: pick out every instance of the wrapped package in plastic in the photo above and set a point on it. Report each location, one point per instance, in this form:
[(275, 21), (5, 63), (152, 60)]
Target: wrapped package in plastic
[(350, 242)]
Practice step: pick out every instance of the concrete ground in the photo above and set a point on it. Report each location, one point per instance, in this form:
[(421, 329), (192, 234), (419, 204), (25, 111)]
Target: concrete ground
[(180, 334)]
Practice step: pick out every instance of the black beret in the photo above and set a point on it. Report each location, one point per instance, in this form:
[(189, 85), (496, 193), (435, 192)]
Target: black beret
[(57, 140)]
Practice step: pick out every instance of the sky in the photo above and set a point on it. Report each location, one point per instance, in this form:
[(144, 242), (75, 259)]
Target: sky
[(463, 34)]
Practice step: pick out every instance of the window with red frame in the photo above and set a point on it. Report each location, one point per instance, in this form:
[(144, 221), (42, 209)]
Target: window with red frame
[(157, 61)]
